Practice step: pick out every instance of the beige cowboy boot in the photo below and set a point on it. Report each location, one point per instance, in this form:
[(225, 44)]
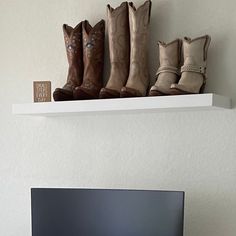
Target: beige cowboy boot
[(193, 72), (74, 50), (119, 48), (138, 80), (168, 71), (93, 58)]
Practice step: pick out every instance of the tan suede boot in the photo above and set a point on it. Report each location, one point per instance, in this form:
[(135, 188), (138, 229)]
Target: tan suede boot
[(119, 48), (93, 55), (138, 80), (169, 71), (74, 50), (193, 72)]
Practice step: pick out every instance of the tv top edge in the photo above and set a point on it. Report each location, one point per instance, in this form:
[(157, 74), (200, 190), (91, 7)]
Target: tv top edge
[(110, 189)]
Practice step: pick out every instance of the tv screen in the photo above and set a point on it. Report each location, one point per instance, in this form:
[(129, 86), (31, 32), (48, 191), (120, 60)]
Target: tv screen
[(103, 212)]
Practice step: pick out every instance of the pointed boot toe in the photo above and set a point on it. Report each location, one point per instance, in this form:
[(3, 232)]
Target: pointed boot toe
[(129, 92), (156, 91), (108, 93), (81, 93), (62, 95), (178, 89)]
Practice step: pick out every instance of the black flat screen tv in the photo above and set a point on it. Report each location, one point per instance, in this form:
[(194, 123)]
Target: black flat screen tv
[(106, 212)]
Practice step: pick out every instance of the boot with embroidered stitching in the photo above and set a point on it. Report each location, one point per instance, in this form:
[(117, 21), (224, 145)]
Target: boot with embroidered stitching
[(168, 71), (119, 49), (93, 57), (74, 50), (193, 72), (138, 80)]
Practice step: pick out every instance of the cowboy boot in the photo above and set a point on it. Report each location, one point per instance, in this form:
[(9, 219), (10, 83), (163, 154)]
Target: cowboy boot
[(193, 72), (168, 71), (138, 80), (93, 54), (74, 50), (118, 34)]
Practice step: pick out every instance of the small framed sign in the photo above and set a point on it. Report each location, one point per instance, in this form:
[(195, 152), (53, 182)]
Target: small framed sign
[(42, 91)]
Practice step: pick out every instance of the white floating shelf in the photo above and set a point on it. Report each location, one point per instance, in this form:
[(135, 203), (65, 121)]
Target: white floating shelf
[(144, 104)]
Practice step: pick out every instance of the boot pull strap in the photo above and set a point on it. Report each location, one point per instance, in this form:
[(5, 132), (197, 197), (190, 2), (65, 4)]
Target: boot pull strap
[(193, 68), (206, 46), (149, 11), (170, 69)]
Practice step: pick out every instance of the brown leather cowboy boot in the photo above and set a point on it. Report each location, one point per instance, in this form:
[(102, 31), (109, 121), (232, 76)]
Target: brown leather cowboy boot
[(93, 54), (74, 50), (138, 80), (119, 48), (193, 72), (169, 71)]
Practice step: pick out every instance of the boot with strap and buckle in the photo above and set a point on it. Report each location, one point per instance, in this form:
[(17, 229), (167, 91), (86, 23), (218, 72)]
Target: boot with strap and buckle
[(93, 57), (74, 50), (193, 72), (169, 70)]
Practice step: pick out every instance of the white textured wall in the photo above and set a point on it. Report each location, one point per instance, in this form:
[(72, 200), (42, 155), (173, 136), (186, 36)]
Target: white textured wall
[(192, 151)]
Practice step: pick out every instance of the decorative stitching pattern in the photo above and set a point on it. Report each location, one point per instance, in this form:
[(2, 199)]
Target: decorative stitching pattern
[(193, 68)]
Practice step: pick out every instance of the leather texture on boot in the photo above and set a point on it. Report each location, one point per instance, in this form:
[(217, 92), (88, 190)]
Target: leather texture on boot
[(93, 57), (138, 80), (168, 71), (74, 49), (119, 49), (193, 72)]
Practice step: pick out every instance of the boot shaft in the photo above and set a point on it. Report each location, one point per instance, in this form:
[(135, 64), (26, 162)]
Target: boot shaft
[(195, 50), (170, 54), (74, 50), (118, 32), (73, 43), (139, 20), (93, 50)]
